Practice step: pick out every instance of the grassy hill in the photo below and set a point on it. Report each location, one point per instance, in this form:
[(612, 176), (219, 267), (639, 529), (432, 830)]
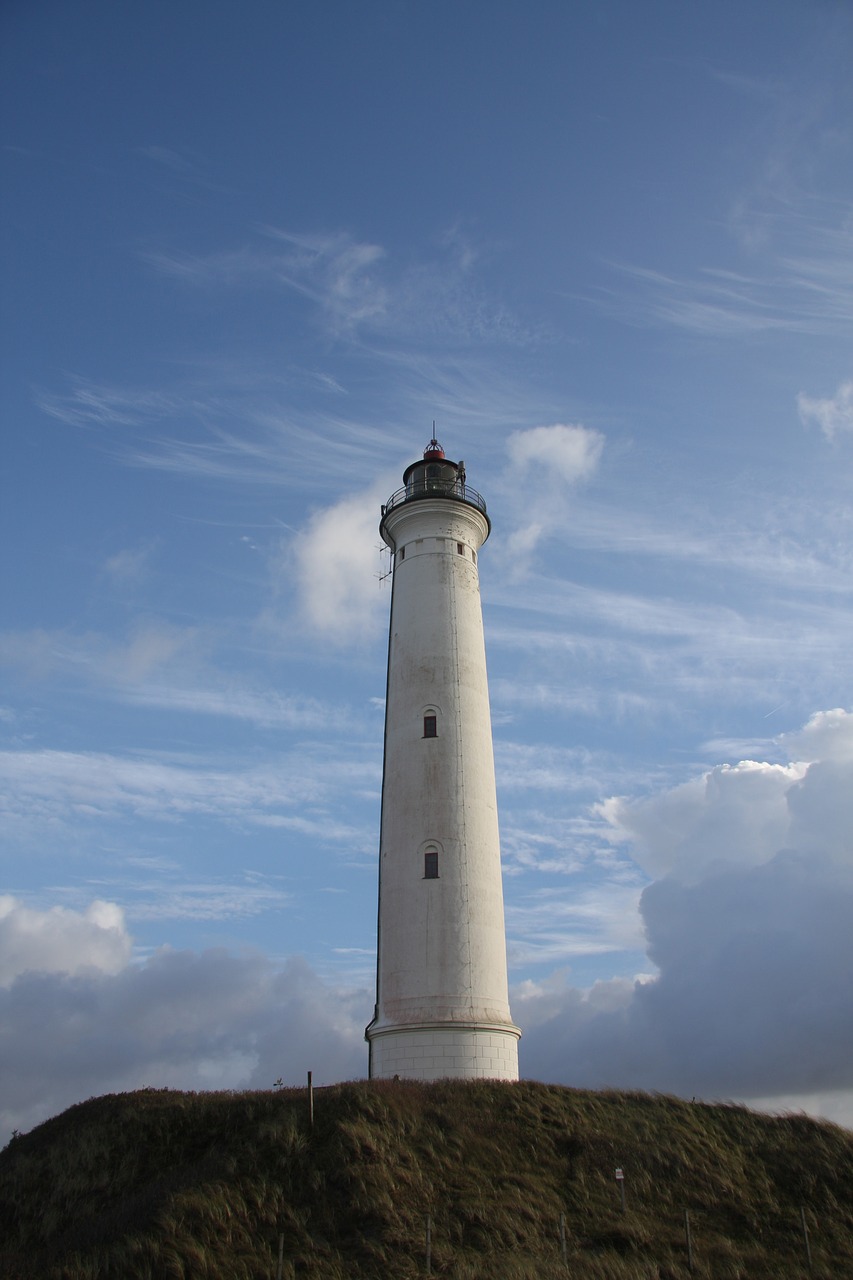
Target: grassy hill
[(163, 1184)]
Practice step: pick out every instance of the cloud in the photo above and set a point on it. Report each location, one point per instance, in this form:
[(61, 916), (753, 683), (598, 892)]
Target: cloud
[(157, 665), (553, 458), (61, 941), (801, 283), (181, 1020), (129, 566), (828, 735), (748, 923), (832, 415), (89, 405), (568, 452), (336, 565), (333, 270), (732, 814), (54, 786), (356, 287)]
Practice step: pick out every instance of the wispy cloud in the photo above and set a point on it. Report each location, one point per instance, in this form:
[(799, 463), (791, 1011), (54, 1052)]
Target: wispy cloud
[(131, 565), (265, 708), (832, 414), (550, 926), (64, 785), (171, 897), (357, 289), (88, 404), (809, 294)]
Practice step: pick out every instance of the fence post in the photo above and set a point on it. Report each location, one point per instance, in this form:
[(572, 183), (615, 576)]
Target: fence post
[(620, 1178), (280, 1257), (563, 1249), (310, 1100), (689, 1241), (428, 1258), (806, 1236)]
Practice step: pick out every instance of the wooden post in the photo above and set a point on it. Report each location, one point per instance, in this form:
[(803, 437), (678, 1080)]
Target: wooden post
[(806, 1236), (620, 1178), (428, 1260), (689, 1241), (280, 1257), (563, 1249), (310, 1101)]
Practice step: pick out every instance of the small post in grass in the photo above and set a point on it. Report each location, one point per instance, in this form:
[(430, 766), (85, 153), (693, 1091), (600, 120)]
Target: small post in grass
[(563, 1249), (428, 1258), (310, 1100), (689, 1241), (806, 1236), (620, 1178), (280, 1257)]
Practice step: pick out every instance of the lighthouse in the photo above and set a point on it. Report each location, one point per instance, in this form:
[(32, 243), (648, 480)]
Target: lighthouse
[(442, 1007)]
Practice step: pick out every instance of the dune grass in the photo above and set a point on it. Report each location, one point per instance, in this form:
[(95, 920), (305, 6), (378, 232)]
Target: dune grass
[(159, 1184)]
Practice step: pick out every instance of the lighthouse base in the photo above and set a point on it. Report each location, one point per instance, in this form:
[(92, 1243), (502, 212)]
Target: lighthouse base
[(444, 1052)]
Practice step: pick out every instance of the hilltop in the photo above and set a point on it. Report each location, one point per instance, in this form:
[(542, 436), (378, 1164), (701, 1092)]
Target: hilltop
[(162, 1184)]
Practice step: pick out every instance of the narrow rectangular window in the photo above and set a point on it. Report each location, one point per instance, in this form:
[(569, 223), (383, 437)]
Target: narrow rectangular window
[(431, 864), (460, 547), (401, 554), (430, 727)]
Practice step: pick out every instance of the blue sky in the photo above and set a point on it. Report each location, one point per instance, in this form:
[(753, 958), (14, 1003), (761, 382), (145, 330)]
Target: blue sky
[(252, 253)]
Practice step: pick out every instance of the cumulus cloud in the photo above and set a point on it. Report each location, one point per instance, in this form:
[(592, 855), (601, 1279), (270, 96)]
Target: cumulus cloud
[(70, 1028), (748, 924), (60, 940), (833, 414), (734, 814)]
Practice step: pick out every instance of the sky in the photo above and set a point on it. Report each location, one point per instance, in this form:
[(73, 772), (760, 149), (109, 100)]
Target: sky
[(252, 253)]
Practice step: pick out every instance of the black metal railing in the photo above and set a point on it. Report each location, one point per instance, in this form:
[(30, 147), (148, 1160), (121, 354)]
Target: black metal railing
[(436, 489)]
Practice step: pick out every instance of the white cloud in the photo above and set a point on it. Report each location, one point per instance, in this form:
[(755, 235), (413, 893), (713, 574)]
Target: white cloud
[(60, 940), (336, 564), (833, 414), (748, 924), (827, 736), (731, 815), (565, 452), (551, 459)]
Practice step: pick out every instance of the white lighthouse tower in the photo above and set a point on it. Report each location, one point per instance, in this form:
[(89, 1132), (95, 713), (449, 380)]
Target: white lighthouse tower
[(442, 1007)]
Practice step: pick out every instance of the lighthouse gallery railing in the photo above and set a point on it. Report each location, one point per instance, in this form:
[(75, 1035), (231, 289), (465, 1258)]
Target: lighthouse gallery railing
[(432, 488)]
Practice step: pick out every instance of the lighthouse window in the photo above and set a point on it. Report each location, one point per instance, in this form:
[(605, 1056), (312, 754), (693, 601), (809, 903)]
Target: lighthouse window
[(431, 864), (401, 554), (460, 547), (430, 727)]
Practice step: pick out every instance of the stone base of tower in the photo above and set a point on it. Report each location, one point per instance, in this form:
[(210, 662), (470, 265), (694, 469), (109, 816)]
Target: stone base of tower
[(443, 1052)]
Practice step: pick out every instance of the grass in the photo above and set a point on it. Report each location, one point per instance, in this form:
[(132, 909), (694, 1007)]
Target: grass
[(159, 1184)]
